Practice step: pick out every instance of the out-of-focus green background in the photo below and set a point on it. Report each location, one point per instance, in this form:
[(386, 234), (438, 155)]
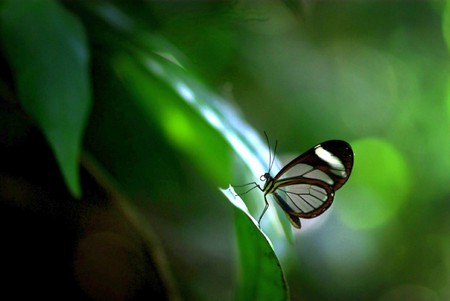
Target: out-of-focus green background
[(120, 121)]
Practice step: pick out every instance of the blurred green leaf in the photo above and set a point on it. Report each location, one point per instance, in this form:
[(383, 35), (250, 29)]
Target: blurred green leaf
[(47, 50), (260, 274), (193, 119), (196, 121), (169, 106)]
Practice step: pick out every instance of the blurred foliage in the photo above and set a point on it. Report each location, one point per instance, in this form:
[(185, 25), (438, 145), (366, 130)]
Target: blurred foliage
[(26, 32), (121, 119)]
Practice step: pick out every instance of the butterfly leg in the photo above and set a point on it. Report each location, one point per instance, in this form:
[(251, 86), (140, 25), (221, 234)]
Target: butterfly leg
[(252, 183), (264, 211)]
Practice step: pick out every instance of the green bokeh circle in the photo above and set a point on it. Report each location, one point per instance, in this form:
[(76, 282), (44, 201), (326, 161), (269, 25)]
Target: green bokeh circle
[(378, 186)]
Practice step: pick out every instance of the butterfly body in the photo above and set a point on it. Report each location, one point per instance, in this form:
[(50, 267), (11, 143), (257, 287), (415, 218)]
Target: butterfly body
[(305, 187)]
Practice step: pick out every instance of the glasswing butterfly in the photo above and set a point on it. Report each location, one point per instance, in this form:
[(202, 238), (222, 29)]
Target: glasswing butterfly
[(305, 187)]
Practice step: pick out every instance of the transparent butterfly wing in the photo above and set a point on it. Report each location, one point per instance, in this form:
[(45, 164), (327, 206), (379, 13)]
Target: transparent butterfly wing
[(330, 162), (305, 187), (305, 198)]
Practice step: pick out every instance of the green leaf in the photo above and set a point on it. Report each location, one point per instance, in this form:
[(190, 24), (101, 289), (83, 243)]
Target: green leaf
[(194, 119), (260, 276), (46, 48), (185, 107)]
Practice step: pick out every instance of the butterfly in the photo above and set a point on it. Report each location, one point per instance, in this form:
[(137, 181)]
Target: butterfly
[(305, 187)]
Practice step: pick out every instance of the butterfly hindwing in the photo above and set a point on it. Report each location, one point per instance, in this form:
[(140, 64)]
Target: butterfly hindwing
[(305, 198), (295, 220)]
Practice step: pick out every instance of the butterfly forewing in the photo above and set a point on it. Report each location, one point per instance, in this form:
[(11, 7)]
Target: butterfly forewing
[(305, 187), (330, 162)]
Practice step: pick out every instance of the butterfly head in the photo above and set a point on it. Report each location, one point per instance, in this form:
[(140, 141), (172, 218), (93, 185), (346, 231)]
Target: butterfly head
[(267, 178)]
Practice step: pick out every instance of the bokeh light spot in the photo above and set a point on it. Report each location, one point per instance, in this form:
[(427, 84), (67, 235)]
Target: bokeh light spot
[(377, 187)]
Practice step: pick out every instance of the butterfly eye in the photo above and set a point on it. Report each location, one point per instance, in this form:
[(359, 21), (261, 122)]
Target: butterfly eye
[(263, 177)]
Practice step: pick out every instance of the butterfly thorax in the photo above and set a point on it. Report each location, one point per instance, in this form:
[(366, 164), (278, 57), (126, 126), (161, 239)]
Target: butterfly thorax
[(269, 182)]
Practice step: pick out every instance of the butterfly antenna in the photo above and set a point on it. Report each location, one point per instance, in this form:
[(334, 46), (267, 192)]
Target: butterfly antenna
[(273, 158), (270, 153)]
